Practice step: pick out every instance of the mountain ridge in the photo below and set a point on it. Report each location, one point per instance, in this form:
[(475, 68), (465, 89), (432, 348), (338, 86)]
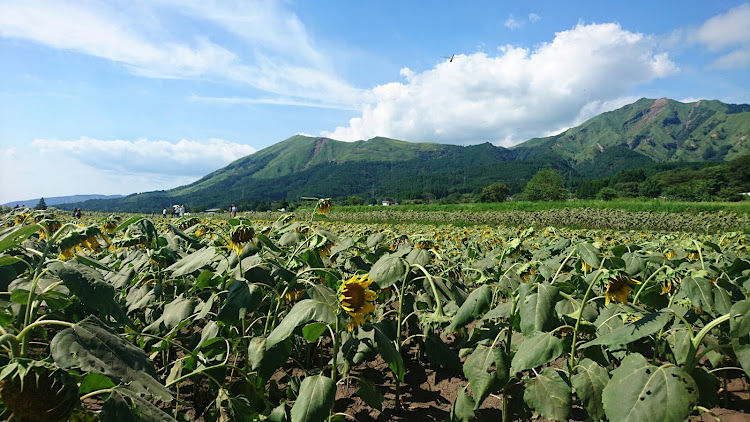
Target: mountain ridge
[(641, 134)]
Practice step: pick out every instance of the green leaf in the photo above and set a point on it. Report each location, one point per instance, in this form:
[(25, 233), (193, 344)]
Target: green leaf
[(9, 260), (487, 371), (193, 262), (91, 289), (588, 383), (536, 350), (266, 360), (316, 395), (538, 310), (92, 347), (588, 254), (123, 405), (387, 350), (128, 222), (95, 381), (387, 271), (242, 298), (278, 414), (312, 332), (463, 408), (549, 394), (628, 333), (743, 355), (370, 394), (419, 257), (192, 241), (16, 237), (739, 319), (440, 354), (639, 391), (698, 289), (175, 312), (681, 344), (91, 263), (303, 312), (267, 242), (473, 307)]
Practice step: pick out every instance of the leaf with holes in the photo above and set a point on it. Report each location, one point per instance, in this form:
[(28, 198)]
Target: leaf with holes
[(639, 391)]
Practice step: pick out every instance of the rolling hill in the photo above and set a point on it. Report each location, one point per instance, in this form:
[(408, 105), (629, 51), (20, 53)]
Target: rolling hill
[(645, 134)]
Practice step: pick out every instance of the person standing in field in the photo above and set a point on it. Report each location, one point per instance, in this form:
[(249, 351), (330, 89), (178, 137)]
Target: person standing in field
[(233, 210), (164, 213)]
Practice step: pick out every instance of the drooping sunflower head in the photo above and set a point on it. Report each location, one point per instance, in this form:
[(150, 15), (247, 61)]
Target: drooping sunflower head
[(110, 223), (586, 268), (424, 243), (241, 234), (619, 287), (356, 299), (324, 206), (188, 222), (37, 391), (51, 227)]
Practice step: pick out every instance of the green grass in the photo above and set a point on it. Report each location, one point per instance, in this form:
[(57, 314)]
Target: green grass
[(655, 205)]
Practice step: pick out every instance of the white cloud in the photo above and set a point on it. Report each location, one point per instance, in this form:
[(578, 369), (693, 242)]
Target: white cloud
[(275, 55), (533, 17), (728, 31), (52, 167), (515, 95), (183, 158), (513, 24)]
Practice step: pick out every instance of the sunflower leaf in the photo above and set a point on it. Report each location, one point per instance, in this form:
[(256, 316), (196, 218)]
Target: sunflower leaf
[(475, 305), (316, 395), (549, 394), (639, 391), (633, 331), (303, 312), (536, 350)]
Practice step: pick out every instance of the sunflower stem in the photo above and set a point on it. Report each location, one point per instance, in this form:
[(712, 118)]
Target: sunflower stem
[(584, 302), (399, 322)]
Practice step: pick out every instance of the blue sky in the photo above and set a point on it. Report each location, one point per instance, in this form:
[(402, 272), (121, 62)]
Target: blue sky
[(130, 96)]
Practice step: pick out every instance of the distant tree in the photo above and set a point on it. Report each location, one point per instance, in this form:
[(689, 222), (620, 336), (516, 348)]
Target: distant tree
[(546, 185), (355, 200), (649, 188), (607, 194), (496, 192), (41, 205)]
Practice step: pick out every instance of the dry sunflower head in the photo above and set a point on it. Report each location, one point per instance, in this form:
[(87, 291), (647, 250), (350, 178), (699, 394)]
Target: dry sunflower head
[(37, 391)]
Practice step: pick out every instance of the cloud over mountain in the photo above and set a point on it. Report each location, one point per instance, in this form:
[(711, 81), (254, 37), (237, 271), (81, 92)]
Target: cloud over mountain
[(515, 95)]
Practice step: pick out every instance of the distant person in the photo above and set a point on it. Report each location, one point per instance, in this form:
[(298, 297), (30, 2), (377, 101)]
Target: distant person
[(78, 214), (164, 213), (174, 210), (75, 211), (182, 210), (16, 205), (233, 210)]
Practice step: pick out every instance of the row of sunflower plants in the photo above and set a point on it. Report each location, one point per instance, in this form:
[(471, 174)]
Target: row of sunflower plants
[(611, 219), (123, 317)]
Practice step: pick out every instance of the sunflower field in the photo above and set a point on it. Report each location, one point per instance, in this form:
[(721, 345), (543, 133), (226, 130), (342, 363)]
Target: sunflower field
[(126, 317)]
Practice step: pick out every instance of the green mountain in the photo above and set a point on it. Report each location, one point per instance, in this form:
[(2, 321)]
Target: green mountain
[(663, 130), (655, 135)]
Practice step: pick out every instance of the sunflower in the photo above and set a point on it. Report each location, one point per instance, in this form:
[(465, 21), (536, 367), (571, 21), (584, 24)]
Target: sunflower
[(356, 299), (51, 225), (324, 206), (240, 235), (586, 268), (618, 289)]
